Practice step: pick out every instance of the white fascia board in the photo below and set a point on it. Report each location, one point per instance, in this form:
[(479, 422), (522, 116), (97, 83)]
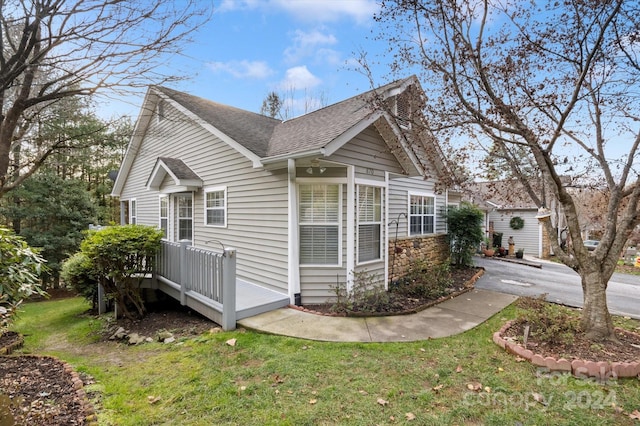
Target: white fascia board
[(134, 143), (351, 133), (320, 152), (405, 146), (215, 131)]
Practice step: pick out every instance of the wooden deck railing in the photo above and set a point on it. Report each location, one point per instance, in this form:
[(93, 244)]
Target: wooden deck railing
[(203, 277)]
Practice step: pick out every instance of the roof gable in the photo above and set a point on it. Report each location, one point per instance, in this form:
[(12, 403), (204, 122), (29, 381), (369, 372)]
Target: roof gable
[(183, 177), (265, 140)]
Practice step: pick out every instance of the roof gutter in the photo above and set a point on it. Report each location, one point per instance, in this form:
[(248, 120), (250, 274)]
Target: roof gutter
[(294, 156)]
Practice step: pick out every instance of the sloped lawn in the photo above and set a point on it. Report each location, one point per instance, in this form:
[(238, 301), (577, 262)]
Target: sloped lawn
[(263, 379)]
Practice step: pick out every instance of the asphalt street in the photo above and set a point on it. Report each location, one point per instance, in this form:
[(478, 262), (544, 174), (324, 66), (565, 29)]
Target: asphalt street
[(560, 283)]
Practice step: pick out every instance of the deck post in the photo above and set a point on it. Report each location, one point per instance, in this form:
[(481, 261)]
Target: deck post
[(229, 289), (184, 271)]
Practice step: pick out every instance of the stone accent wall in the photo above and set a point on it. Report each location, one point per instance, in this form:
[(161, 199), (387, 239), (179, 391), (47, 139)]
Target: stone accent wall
[(432, 249), (546, 244)]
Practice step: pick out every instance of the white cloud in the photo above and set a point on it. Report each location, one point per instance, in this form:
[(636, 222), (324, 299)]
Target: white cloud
[(299, 78), (306, 44), (231, 5), (242, 69), (309, 10), (329, 10)]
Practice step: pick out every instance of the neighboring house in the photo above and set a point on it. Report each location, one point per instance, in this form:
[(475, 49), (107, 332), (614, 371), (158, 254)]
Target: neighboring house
[(501, 202), (307, 203)]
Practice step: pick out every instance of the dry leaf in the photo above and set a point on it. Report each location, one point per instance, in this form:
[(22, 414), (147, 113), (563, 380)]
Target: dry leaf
[(635, 415), (153, 399), (410, 416), (539, 398), (437, 388), (459, 369), (363, 392), (313, 401), (231, 342), (474, 386), (382, 402)]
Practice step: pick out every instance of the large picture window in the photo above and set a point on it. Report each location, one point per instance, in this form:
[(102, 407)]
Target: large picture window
[(421, 214), (215, 207), (164, 215), (319, 211), (369, 223)]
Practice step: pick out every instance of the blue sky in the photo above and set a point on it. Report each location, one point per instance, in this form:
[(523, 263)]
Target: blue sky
[(300, 47)]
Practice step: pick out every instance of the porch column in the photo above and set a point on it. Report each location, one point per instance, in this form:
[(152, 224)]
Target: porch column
[(294, 237), (351, 227)]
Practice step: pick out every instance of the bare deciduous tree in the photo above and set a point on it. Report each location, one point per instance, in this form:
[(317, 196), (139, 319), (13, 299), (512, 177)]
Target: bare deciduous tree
[(56, 49), (555, 80)]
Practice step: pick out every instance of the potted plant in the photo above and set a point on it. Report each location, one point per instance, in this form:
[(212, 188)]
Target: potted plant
[(487, 249), (520, 253)]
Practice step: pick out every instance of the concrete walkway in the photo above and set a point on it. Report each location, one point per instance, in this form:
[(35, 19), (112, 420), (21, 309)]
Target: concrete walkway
[(445, 319)]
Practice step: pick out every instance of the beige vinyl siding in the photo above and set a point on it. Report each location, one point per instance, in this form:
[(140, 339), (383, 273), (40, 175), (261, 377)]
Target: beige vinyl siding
[(369, 154), (399, 189), (256, 199), (528, 237)]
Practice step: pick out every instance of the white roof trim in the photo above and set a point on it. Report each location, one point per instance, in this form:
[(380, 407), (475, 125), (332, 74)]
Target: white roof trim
[(214, 131), (158, 174), (134, 143)]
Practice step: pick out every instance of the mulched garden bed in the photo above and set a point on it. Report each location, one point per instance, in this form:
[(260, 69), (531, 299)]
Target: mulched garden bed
[(462, 280)]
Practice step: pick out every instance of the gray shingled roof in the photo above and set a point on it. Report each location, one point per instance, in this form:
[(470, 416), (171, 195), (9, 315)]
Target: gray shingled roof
[(179, 168), (268, 137), (251, 130)]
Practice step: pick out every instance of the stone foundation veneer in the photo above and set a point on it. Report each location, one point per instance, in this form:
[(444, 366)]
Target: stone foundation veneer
[(404, 252)]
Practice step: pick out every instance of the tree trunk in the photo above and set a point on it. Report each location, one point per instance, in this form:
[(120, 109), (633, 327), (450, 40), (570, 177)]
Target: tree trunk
[(596, 319)]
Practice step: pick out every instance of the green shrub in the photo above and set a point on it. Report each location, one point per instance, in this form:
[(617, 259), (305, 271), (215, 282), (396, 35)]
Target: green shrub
[(465, 233), (20, 269), (79, 273), (424, 281), (547, 322), (367, 295), (120, 257)]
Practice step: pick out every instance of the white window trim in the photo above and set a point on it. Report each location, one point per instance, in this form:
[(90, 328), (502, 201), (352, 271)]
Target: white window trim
[(133, 211), (222, 189), (435, 212), (178, 217), (382, 187), (160, 217), (301, 223)]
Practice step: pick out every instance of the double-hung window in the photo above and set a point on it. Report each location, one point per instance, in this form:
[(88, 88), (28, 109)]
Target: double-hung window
[(422, 217), (164, 215), (369, 223), (215, 207), (319, 219)]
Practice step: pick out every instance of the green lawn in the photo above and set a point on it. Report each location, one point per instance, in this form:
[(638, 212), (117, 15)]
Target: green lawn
[(272, 380)]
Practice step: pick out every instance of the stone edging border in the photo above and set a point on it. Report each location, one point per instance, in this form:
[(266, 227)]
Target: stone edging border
[(91, 418), (580, 368), (468, 287), (7, 350)]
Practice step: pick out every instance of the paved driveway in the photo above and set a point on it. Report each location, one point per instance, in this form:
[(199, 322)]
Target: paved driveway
[(561, 284)]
